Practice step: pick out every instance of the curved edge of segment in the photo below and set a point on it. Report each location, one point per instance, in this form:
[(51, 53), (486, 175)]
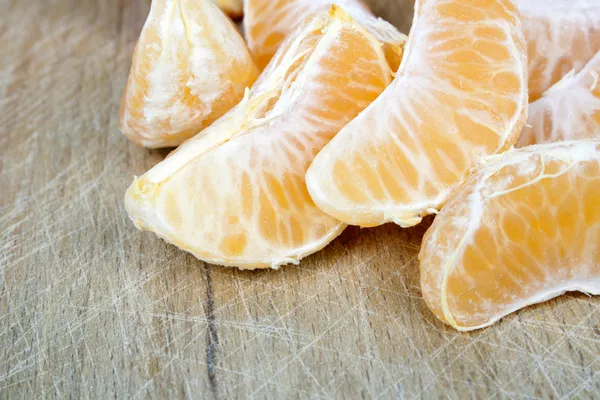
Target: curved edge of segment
[(366, 217), (143, 214)]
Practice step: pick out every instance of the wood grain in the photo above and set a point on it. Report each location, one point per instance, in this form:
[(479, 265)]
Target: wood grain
[(92, 308)]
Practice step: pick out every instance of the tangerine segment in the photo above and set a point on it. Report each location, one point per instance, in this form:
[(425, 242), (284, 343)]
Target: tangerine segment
[(569, 110), (561, 35), (236, 195), (524, 229), (233, 8), (460, 94), (190, 66), (268, 22)]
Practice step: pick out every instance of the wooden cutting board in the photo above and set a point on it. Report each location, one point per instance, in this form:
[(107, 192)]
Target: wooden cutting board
[(92, 308)]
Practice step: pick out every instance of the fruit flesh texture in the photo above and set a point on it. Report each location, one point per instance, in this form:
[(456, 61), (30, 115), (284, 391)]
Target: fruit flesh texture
[(569, 110), (233, 8), (459, 95), (236, 195), (268, 22), (524, 229), (561, 35), (190, 66)]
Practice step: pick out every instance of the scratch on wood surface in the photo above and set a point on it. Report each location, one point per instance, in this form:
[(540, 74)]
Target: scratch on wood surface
[(212, 335)]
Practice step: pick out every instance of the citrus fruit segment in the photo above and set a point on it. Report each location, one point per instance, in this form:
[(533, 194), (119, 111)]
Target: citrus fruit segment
[(233, 8), (561, 35), (190, 66), (235, 195), (569, 110), (524, 229), (268, 22), (460, 94)]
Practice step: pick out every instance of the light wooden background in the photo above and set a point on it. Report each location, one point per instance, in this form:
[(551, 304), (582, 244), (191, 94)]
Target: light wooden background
[(92, 308)]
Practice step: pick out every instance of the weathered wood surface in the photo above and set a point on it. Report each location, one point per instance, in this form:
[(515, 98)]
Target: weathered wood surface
[(92, 308)]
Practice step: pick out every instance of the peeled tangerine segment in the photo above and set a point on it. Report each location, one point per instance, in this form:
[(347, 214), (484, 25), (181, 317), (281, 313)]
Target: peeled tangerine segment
[(524, 229), (268, 22), (569, 110), (236, 195), (561, 35), (460, 94), (190, 66)]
